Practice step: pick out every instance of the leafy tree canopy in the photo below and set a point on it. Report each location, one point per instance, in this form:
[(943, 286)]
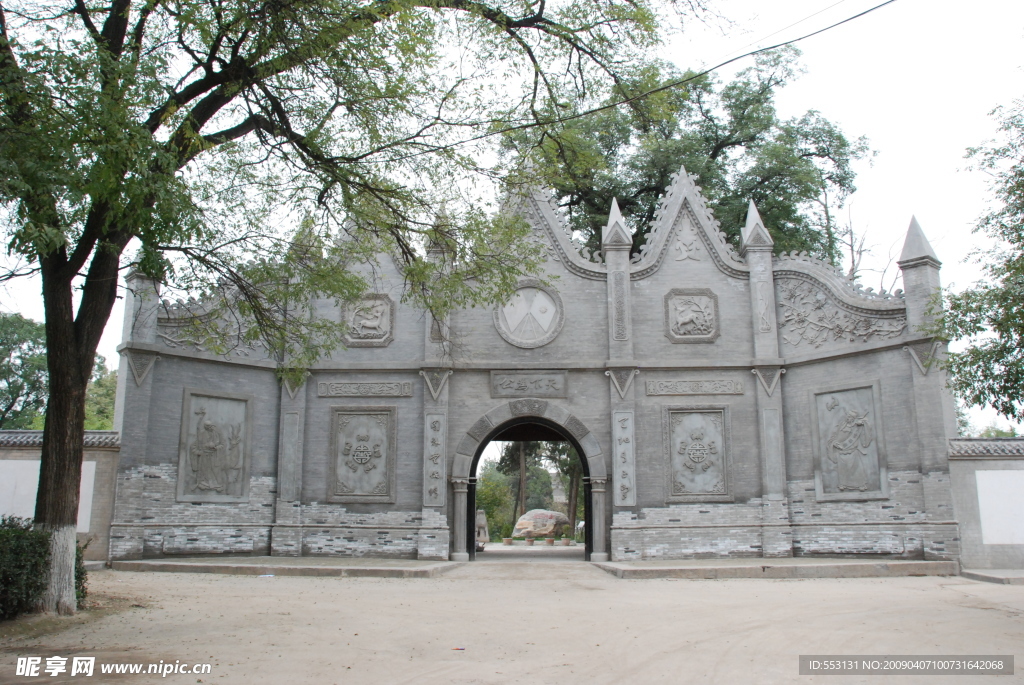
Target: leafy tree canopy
[(990, 371), (23, 379), (730, 136)]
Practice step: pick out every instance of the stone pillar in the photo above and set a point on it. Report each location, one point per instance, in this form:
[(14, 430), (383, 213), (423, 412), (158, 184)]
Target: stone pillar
[(286, 534), (460, 489), (616, 244), (757, 246), (934, 410), (132, 415), (597, 514)]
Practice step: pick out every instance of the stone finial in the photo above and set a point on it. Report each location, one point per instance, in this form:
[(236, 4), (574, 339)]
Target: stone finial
[(615, 234), (917, 251), (754, 234)]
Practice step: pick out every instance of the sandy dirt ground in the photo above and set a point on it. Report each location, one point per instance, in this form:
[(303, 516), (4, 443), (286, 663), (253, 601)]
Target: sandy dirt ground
[(519, 622)]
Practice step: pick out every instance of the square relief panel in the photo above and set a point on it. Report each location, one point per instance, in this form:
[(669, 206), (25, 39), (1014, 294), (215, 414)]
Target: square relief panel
[(362, 454), (371, 321), (691, 315), (215, 447), (849, 456), (697, 450)]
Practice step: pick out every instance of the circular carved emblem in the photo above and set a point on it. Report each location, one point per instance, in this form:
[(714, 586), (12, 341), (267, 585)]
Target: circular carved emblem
[(532, 318)]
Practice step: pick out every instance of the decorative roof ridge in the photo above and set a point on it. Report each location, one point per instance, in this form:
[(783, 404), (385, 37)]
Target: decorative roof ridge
[(683, 193), (986, 446), (834, 276), (34, 438)]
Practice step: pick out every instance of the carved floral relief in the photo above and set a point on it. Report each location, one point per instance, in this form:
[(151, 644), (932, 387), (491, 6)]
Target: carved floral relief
[(807, 315)]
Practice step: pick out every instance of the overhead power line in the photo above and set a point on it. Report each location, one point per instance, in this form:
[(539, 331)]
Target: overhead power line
[(648, 93)]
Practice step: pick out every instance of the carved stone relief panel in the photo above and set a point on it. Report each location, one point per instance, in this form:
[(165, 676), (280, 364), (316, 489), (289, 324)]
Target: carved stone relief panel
[(215, 448), (697, 447), (375, 389), (435, 430), (371, 321), (529, 384), (623, 463), (849, 452), (707, 387), (808, 318), (691, 315), (362, 454), (620, 319), (533, 317)]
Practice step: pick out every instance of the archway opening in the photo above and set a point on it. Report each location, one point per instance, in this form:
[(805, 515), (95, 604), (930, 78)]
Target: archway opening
[(531, 429)]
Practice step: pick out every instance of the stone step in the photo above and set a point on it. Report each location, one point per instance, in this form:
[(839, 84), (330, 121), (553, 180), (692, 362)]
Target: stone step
[(304, 566), (790, 568), (1003, 576)]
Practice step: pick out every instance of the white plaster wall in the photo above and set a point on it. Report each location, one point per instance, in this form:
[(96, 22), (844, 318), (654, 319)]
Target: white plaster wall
[(1001, 506), (19, 481)]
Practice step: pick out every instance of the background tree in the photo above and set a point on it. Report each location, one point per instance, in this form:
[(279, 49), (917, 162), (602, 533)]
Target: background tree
[(495, 494), (730, 136), (563, 457), (23, 380), (990, 371), (195, 129)]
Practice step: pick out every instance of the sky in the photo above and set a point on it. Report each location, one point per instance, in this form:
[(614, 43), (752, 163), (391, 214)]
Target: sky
[(917, 77)]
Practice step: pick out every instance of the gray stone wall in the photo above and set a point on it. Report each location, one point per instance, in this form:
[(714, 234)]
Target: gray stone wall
[(778, 409)]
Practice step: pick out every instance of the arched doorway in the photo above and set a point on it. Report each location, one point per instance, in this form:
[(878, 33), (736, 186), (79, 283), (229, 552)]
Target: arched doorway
[(538, 415), (528, 429)]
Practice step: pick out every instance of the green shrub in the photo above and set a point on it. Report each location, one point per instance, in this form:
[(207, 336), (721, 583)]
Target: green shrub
[(24, 560), (81, 576)]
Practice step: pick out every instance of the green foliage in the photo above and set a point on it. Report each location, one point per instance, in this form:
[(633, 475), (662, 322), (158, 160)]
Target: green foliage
[(729, 136), (99, 398), (494, 494), (994, 431), (24, 559), (990, 371), (23, 376), (200, 132), (81, 575)]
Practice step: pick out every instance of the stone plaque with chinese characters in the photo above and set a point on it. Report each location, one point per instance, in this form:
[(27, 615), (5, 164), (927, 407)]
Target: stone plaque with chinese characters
[(362, 454), (623, 463), (215, 447), (697, 441), (529, 384), (434, 481), (378, 389), (709, 387), (849, 459)]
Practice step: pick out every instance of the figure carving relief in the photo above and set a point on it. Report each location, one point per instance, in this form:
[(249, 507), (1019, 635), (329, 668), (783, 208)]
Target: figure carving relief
[(848, 443), (691, 315), (363, 453), (371, 321), (808, 315), (532, 318), (213, 464), (697, 454)]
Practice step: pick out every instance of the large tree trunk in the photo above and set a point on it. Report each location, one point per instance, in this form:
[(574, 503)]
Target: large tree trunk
[(574, 488), (70, 355), (522, 477)]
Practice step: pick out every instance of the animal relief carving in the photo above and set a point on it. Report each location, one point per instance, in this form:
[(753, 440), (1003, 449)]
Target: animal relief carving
[(691, 315), (371, 321)]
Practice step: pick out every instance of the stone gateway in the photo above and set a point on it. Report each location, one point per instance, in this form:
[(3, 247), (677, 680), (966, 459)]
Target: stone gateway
[(723, 402)]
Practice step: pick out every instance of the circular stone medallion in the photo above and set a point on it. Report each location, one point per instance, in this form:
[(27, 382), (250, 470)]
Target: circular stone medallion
[(533, 317)]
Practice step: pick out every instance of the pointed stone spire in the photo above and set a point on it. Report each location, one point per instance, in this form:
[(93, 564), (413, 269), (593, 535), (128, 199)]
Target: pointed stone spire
[(916, 248), (615, 234), (754, 234)]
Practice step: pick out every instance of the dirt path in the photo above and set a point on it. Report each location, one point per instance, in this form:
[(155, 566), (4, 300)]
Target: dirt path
[(527, 623)]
